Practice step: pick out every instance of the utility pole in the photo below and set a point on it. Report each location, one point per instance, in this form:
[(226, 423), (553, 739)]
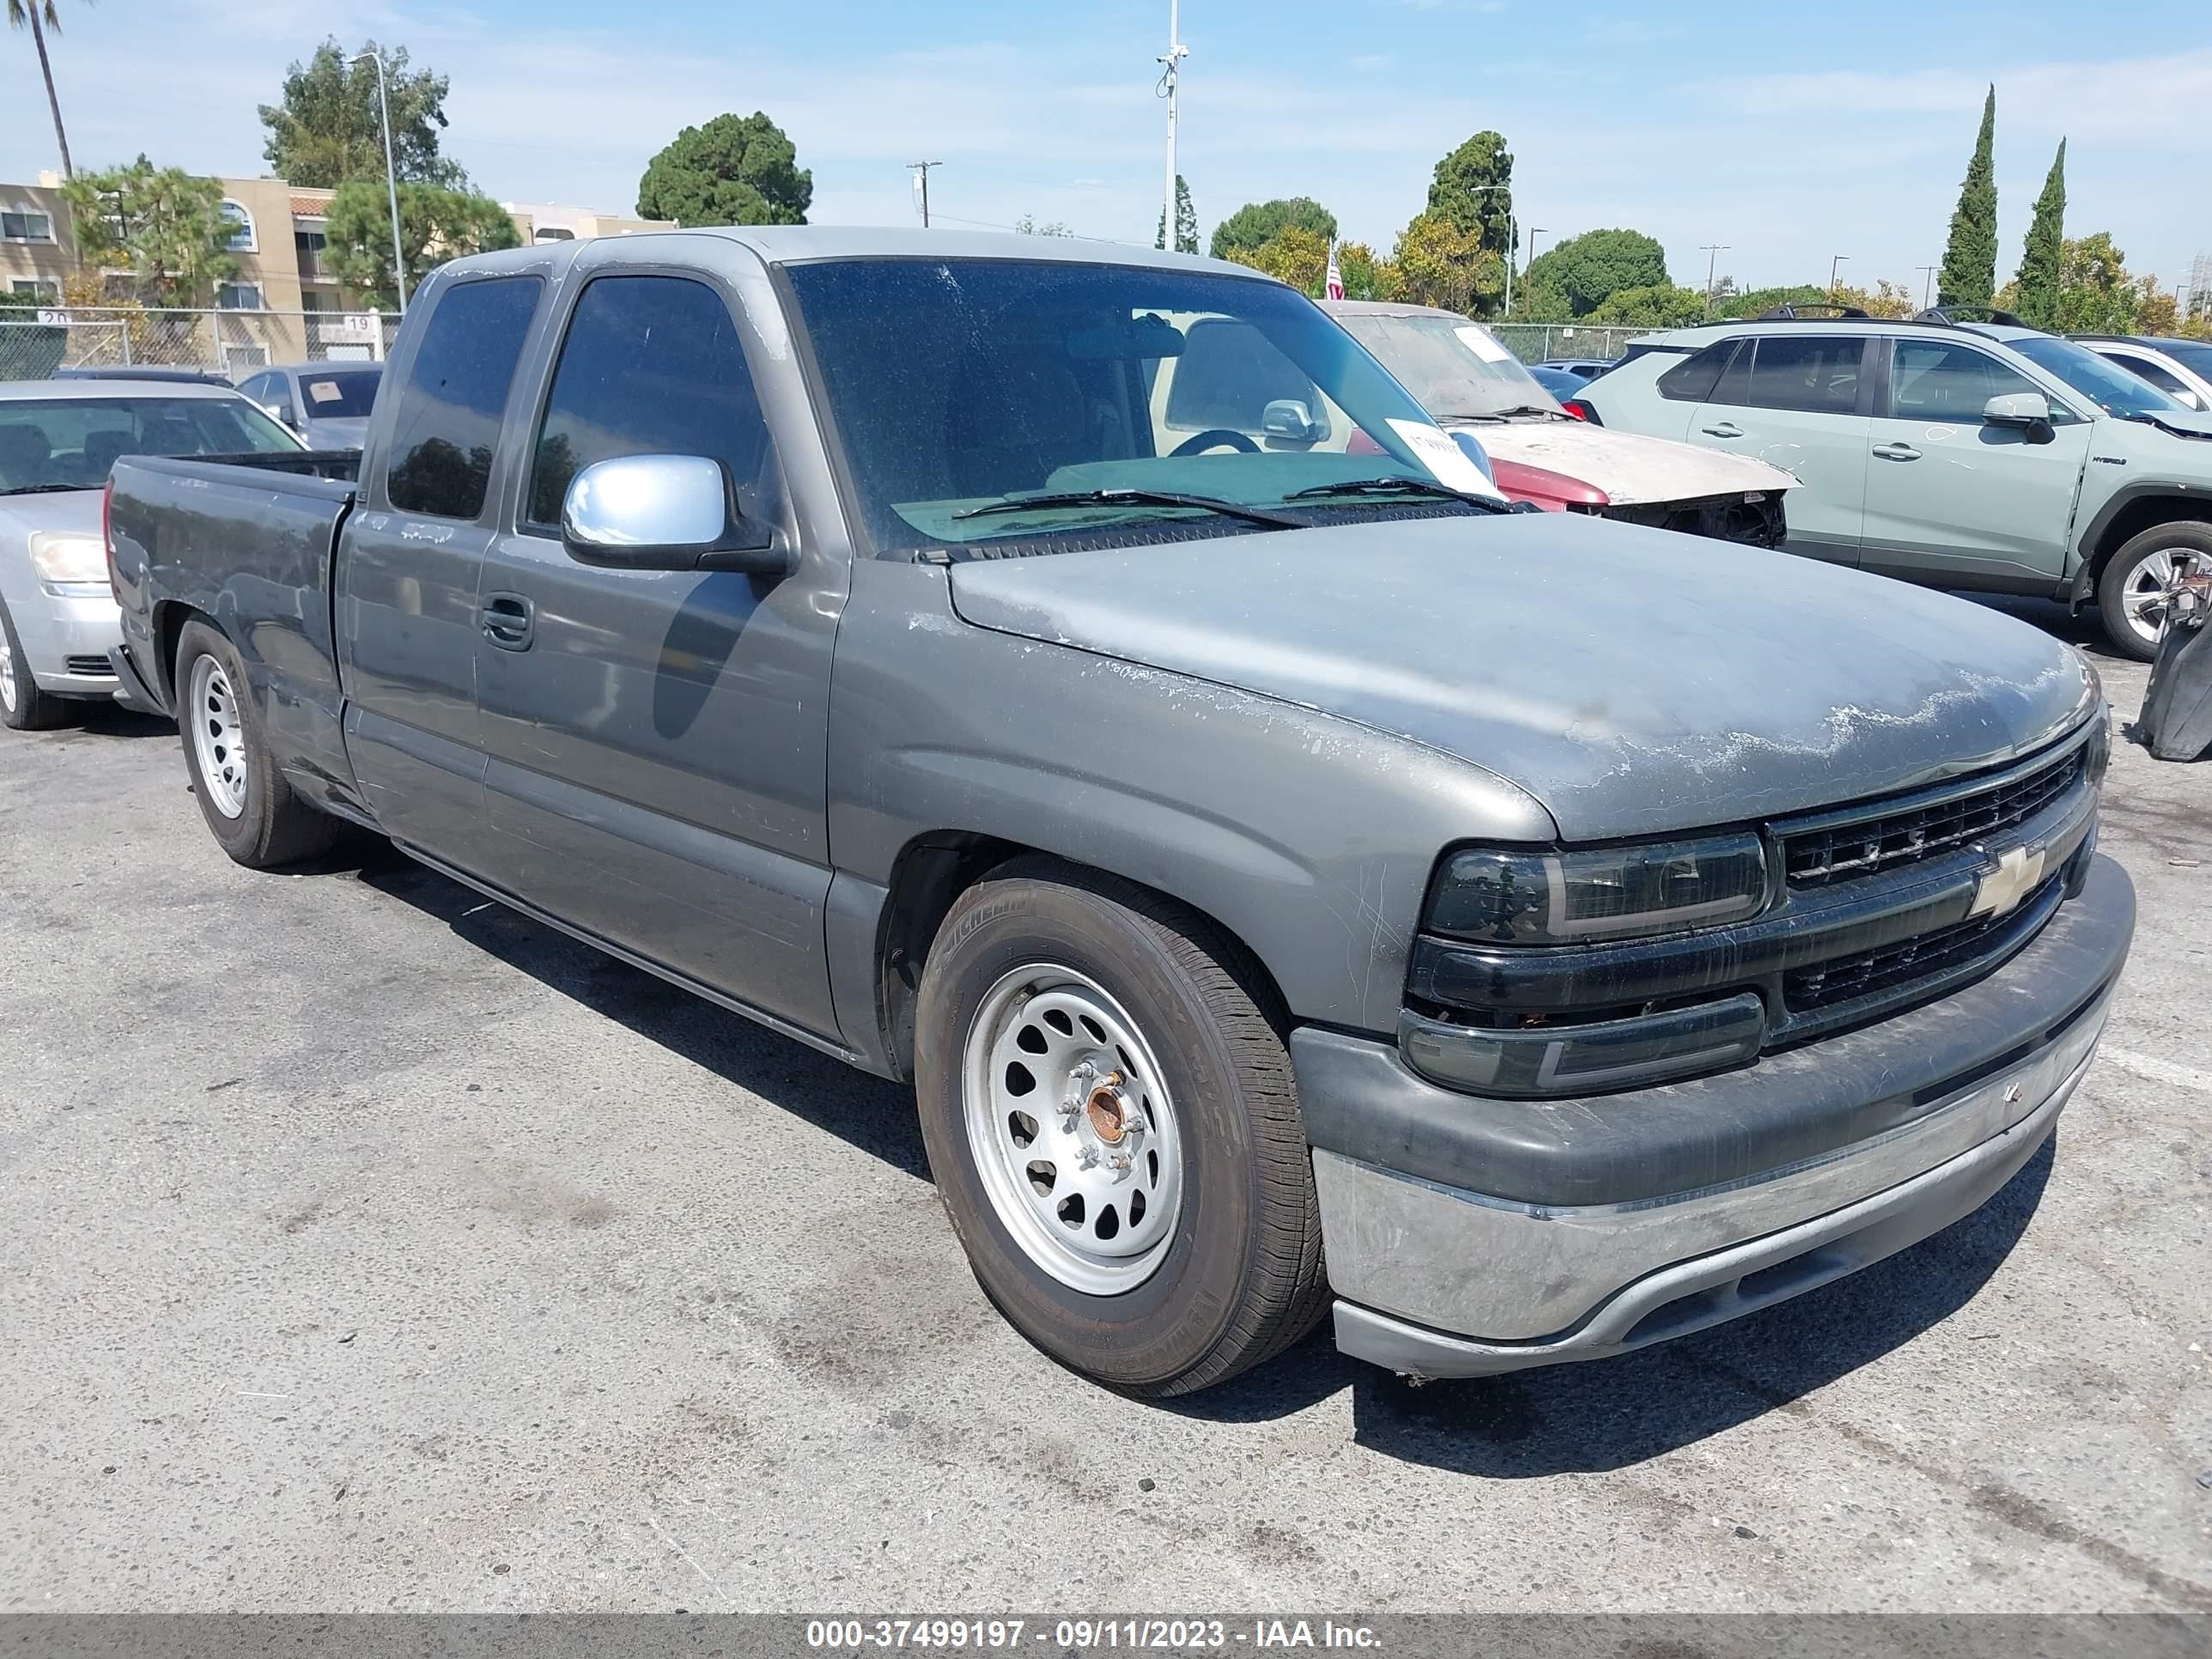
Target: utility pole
[(1712, 250), (1928, 288), (1170, 80), (391, 178), (1832, 263), (920, 171)]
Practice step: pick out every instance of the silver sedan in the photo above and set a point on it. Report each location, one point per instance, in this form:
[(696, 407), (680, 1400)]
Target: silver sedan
[(57, 440)]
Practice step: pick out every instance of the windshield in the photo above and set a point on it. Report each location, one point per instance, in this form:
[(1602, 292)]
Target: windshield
[(2099, 379), (2190, 354), (343, 395), (961, 384), (70, 443), (1456, 369)]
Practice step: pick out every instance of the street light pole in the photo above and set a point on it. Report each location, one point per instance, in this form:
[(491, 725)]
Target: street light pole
[(1535, 231), (1712, 250), (1928, 288), (1170, 80), (391, 179), (1832, 263)]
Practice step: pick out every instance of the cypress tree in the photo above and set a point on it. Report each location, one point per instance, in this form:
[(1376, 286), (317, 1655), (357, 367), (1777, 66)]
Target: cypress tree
[(2047, 241), (1969, 276)]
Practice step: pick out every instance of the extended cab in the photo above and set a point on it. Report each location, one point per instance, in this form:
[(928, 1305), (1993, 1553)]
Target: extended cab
[(1082, 681)]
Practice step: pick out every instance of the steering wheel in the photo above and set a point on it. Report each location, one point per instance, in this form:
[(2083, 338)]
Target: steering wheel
[(1213, 438)]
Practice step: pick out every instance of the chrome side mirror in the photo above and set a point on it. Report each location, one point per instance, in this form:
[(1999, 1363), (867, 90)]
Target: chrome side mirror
[(664, 512), (1290, 417)]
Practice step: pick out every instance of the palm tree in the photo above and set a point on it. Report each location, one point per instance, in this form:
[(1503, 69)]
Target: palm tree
[(21, 12)]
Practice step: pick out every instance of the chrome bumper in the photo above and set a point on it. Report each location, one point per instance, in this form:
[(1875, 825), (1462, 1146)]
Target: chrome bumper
[(1436, 1280)]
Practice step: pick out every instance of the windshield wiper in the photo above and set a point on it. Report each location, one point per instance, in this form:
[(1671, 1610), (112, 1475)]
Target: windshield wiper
[(1359, 487), (1258, 515), (1537, 409), (44, 489)]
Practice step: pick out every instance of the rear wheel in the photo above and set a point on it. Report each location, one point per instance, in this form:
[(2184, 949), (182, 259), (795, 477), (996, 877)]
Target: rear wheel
[(23, 707), (248, 804), (2131, 593), (1113, 1129)]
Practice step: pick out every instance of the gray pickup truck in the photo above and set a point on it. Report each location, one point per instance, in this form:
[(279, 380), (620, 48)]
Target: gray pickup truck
[(1083, 682)]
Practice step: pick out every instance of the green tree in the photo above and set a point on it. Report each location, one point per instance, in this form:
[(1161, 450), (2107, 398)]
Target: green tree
[(1185, 222), (2037, 285), (435, 225), (1294, 254), (1365, 276), (1587, 270), (2096, 295), (39, 16), (1259, 222), (163, 226), (1029, 227), (1439, 264), (328, 131), (1473, 189), (1661, 305), (733, 171), (1969, 273)]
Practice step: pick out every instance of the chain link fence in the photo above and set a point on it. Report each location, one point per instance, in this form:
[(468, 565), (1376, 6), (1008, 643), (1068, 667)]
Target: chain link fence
[(1540, 343), (232, 344)]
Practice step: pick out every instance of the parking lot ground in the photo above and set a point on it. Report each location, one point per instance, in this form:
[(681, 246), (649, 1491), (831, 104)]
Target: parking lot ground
[(367, 1246)]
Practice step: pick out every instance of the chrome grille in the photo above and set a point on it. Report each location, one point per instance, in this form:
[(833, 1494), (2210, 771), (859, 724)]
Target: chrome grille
[(1816, 856)]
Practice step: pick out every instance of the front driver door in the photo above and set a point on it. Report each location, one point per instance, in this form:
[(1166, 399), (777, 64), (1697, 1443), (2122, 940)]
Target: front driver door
[(1953, 500), (657, 739), (1800, 402)]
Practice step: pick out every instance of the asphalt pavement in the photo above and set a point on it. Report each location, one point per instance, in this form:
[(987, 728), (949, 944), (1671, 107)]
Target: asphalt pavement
[(367, 1246)]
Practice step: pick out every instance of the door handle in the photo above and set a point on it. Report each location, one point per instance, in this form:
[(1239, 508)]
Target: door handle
[(1725, 430), (1897, 452), (508, 622)]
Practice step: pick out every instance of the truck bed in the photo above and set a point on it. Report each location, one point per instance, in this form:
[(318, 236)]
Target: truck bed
[(249, 540)]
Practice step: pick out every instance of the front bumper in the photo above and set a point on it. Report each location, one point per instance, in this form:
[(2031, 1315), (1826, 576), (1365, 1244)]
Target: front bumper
[(65, 633), (1466, 1235)]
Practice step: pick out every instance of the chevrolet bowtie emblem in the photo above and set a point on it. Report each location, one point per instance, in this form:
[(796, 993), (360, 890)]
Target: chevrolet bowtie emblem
[(2019, 872)]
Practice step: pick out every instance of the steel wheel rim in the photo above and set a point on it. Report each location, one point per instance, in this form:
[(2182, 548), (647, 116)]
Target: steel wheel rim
[(218, 737), (8, 692), (2144, 598), (1093, 1134)]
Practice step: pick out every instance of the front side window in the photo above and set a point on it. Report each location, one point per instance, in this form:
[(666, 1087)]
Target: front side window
[(1942, 380), (70, 443), (960, 387), (447, 427), (651, 365), (2158, 374), (1814, 373)]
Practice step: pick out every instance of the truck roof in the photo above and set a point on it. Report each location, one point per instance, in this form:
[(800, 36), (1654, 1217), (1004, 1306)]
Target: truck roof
[(105, 390)]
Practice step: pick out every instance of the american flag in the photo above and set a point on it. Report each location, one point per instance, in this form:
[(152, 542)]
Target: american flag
[(1335, 283)]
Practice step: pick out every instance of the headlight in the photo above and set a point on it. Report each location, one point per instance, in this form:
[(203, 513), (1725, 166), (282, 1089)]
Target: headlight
[(1506, 897), (64, 559)]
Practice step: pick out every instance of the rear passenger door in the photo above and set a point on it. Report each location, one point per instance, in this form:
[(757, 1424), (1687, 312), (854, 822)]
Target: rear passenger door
[(1953, 500), (657, 739), (1800, 402), (414, 550)]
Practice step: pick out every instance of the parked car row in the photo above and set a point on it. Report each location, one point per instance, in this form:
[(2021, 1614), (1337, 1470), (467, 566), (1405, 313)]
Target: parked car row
[(1087, 683)]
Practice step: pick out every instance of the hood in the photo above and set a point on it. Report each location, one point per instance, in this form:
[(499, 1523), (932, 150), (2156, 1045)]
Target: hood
[(1634, 681), (2182, 422), (1631, 468), (74, 512)]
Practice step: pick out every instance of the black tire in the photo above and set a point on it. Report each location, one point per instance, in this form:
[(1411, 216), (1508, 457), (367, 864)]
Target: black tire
[(1241, 1278), (273, 826), (2120, 572), (29, 709)]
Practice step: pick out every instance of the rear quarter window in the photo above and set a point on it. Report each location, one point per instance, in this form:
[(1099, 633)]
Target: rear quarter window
[(446, 428)]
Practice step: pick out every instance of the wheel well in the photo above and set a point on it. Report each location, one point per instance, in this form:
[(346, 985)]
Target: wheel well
[(2137, 516), (933, 872), (168, 623)]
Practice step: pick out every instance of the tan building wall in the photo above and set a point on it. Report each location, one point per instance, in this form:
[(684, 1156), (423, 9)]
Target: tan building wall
[(36, 248)]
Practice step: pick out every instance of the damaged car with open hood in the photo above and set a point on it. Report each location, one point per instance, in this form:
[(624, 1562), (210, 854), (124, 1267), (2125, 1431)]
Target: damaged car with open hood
[(1084, 683)]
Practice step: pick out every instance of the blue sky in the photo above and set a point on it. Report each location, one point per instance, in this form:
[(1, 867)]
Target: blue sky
[(1792, 133)]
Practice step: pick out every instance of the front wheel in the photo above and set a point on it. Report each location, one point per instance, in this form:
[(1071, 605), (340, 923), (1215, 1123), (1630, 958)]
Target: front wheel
[(246, 801), (2132, 594), (23, 706), (1113, 1129)]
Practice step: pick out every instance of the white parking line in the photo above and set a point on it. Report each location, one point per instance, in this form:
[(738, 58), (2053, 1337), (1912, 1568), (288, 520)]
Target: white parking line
[(2161, 1071)]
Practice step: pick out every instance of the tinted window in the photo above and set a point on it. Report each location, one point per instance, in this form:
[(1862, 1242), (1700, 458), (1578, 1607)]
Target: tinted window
[(1816, 373), (1941, 381), (1692, 379), (2166, 381), (338, 394), (449, 424), (651, 367), (2190, 354), (70, 443), (1228, 374), (2111, 387)]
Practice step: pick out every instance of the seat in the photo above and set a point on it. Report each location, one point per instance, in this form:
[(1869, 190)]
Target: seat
[(103, 449), (25, 456)]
